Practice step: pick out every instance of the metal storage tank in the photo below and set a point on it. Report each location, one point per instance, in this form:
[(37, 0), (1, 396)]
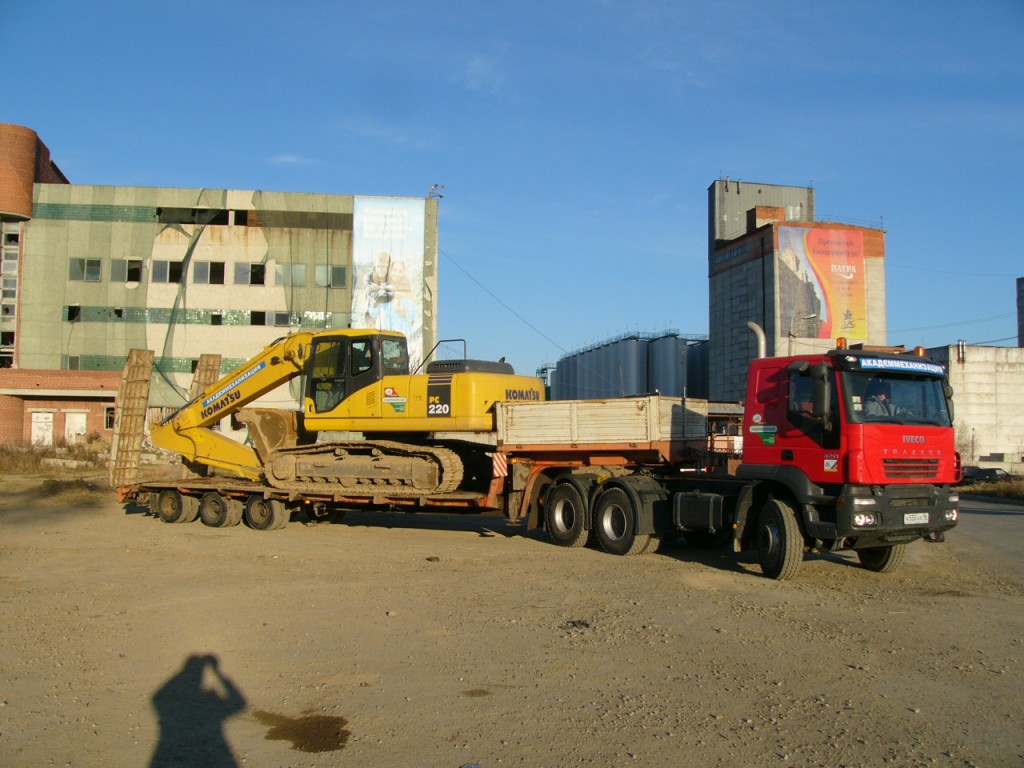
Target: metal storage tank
[(666, 365), (697, 373), (629, 363)]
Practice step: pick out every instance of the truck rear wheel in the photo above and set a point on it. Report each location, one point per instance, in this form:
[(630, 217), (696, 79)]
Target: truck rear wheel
[(265, 514), (615, 524), (174, 507), (564, 516), (882, 559), (217, 511), (780, 546)]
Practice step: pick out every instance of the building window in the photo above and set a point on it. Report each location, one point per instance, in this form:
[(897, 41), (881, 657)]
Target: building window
[(10, 263), (7, 309), (250, 274), (282, 319), (216, 319), (330, 277), (85, 269), (126, 270), (208, 273), (74, 362), (166, 271), (72, 313), (291, 275), (10, 287), (257, 318), (108, 417)]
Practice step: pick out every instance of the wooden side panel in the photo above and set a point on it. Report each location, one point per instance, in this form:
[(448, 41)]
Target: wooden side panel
[(130, 418), (629, 420)]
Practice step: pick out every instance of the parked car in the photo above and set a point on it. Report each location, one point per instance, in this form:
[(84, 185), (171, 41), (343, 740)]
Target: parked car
[(973, 475)]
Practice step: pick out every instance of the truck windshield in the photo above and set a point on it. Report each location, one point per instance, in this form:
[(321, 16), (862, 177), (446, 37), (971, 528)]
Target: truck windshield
[(894, 399)]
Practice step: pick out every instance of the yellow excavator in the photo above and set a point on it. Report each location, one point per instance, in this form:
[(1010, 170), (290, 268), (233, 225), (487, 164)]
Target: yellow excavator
[(366, 424)]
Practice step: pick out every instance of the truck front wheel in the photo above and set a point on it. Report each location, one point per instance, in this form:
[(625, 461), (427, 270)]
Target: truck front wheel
[(564, 516), (780, 546), (615, 524), (882, 559)]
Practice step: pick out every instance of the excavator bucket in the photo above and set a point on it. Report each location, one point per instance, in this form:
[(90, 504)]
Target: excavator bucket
[(270, 429)]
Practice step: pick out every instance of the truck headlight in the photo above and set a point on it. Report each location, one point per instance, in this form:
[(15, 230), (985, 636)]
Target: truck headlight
[(952, 515), (865, 520)]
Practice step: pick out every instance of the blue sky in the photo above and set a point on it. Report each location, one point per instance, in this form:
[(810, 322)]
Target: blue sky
[(575, 139)]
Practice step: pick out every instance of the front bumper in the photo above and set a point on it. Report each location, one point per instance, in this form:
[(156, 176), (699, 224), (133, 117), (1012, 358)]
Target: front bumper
[(868, 516)]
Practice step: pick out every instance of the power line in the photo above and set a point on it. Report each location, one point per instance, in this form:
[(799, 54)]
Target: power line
[(957, 323), (491, 293)]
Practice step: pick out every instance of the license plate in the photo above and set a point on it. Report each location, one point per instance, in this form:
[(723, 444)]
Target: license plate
[(915, 518)]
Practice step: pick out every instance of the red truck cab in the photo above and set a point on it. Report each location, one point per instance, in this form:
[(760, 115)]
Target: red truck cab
[(863, 440)]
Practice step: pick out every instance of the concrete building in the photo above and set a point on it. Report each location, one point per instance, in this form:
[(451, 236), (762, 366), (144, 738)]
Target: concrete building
[(91, 272), (1020, 311), (803, 281), (988, 387)]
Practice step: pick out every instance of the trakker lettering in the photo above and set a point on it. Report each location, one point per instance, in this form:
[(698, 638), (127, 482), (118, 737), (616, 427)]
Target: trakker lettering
[(231, 385), (522, 394)]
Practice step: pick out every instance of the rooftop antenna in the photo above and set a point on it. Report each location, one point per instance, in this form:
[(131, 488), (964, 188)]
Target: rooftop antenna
[(436, 190)]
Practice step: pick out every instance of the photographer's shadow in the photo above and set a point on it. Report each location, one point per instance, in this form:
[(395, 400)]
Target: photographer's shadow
[(191, 708)]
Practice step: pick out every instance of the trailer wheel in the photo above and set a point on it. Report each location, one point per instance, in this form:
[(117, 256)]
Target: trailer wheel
[(217, 511), (172, 506), (564, 516), (882, 559), (780, 546), (615, 524), (265, 514)]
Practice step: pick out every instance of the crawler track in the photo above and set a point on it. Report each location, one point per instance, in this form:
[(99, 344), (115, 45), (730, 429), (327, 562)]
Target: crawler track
[(397, 469)]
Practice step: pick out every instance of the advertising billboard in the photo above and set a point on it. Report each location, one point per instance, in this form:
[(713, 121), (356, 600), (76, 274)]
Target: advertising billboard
[(387, 263), (822, 283)]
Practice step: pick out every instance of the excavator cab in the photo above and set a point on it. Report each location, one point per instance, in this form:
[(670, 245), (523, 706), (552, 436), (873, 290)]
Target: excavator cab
[(342, 365)]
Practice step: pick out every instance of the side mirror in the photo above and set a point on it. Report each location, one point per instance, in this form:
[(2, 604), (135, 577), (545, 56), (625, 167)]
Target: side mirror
[(822, 405)]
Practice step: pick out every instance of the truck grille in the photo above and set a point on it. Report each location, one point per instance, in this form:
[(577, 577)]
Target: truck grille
[(911, 468)]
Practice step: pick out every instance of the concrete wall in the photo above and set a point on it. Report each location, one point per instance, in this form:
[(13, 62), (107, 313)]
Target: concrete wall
[(988, 386)]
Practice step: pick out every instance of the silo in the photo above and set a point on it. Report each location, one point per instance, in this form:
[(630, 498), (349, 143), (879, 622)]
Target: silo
[(697, 374), (666, 365), (630, 366)]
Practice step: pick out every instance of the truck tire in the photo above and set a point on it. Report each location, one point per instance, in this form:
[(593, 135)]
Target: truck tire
[(882, 559), (174, 507), (217, 511), (565, 516), (615, 524), (780, 545), (265, 514)]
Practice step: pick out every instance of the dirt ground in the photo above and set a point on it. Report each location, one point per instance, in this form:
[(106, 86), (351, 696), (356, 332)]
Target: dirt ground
[(445, 642)]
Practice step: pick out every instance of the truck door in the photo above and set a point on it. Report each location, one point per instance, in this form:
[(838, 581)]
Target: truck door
[(810, 438)]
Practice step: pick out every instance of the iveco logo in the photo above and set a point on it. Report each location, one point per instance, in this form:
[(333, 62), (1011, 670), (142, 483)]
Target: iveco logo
[(913, 438)]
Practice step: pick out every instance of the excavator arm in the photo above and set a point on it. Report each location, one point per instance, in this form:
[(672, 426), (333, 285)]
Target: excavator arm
[(188, 431)]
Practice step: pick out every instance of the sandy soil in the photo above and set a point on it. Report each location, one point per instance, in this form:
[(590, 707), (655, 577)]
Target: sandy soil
[(426, 641)]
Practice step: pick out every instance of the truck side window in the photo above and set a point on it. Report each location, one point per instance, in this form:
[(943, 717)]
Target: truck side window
[(800, 411)]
